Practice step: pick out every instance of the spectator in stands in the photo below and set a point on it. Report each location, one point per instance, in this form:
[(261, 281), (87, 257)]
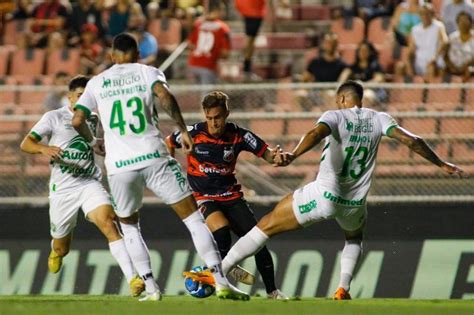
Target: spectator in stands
[(119, 15), (459, 53), (48, 16), (56, 41), (85, 12), (92, 52), (57, 98), (209, 41), (366, 68), (426, 43), (328, 66), (406, 16), (23, 10), (253, 13), (370, 9), (147, 44), (450, 11), (137, 18)]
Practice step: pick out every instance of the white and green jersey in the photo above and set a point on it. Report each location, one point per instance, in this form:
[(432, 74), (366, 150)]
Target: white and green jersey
[(77, 164), (123, 97), (349, 154)]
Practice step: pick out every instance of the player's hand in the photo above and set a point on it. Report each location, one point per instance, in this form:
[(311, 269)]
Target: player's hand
[(99, 147), (283, 158), (187, 142), (452, 169), (52, 152)]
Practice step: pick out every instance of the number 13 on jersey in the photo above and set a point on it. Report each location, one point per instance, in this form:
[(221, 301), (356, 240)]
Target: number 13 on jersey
[(117, 119)]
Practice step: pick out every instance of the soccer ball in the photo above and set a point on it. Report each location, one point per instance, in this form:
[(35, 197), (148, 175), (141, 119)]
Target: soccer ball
[(197, 289)]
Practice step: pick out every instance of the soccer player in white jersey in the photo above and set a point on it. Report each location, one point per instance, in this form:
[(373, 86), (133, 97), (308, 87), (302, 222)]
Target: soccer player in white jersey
[(339, 192), (75, 183), (126, 97)]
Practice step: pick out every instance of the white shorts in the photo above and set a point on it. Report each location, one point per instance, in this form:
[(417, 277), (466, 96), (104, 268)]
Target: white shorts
[(63, 208), (311, 204), (164, 178)]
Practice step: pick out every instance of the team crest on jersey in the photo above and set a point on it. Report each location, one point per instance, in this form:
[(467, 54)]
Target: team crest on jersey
[(106, 83), (349, 126), (250, 139), (228, 154)]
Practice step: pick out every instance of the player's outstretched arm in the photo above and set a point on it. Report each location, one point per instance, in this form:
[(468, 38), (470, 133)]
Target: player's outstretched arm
[(307, 142), (418, 145), (33, 146), (79, 123), (168, 102)]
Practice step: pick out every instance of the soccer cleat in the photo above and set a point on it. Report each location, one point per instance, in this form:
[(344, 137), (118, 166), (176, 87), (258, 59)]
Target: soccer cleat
[(277, 295), (54, 262), (231, 293), (204, 276), (151, 297), (341, 294), (239, 274), (137, 286)]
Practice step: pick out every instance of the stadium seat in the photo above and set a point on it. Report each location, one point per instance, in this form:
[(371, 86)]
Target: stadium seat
[(314, 12), (14, 126), (348, 53), (268, 129), (457, 126), (463, 151), (391, 152), (4, 60), (279, 40), (421, 126), (440, 147), (30, 100), (13, 29), (349, 31), (167, 32), (28, 62), (379, 31), (407, 99), (298, 127), (66, 60), (7, 97), (444, 99), (389, 53), (469, 97)]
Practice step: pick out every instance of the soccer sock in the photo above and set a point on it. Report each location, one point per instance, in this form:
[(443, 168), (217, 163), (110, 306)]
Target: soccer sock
[(349, 258), (138, 252), (223, 240), (246, 246), (264, 262), (205, 246), (119, 251), (247, 65)]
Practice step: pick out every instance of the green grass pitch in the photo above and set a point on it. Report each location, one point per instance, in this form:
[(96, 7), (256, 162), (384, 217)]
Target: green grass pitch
[(115, 305)]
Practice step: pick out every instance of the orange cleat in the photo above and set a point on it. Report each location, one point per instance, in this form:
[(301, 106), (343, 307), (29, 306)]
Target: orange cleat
[(201, 276), (341, 294)]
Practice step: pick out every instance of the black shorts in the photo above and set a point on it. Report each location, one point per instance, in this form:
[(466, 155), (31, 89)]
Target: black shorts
[(237, 212), (252, 25)]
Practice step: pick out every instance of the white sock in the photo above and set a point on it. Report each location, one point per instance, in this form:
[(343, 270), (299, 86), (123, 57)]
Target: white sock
[(139, 255), (349, 258), (119, 251), (246, 246), (205, 246)]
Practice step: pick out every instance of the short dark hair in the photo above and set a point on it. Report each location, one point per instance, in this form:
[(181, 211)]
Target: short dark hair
[(79, 81), (215, 99), (125, 43), (353, 87), (463, 13)]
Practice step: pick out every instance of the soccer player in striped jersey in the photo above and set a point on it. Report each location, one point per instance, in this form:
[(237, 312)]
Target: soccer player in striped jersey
[(352, 136), (126, 97), (75, 183), (211, 175)]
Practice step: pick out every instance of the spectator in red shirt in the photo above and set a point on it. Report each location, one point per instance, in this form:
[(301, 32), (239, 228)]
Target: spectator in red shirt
[(253, 13), (48, 17), (91, 50), (209, 41)]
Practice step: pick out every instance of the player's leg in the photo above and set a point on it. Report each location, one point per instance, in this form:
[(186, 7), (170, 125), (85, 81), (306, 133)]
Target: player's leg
[(281, 219), (127, 192), (59, 249), (252, 26), (352, 223), (242, 220), (168, 183)]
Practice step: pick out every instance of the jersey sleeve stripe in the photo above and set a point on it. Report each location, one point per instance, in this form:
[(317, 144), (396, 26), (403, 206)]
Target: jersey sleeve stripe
[(36, 135), (84, 109), (154, 83), (262, 151), (389, 129), (326, 124)]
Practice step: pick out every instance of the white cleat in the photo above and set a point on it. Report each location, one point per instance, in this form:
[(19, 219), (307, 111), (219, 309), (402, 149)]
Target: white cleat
[(231, 293), (239, 274), (277, 295), (155, 296)]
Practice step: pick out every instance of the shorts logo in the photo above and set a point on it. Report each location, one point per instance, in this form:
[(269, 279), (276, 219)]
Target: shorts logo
[(345, 202), (308, 206), (176, 169), (228, 155), (250, 139)]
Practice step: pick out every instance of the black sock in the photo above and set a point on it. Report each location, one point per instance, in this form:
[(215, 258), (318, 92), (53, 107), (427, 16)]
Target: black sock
[(247, 65), (223, 240), (264, 262)]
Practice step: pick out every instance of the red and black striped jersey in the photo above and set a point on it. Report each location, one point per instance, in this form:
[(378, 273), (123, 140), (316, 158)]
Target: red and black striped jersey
[(211, 166)]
